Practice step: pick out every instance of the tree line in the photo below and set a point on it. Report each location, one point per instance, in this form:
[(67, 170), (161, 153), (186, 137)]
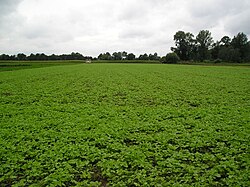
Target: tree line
[(127, 56), (77, 56), (44, 57), (202, 47), (187, 48)]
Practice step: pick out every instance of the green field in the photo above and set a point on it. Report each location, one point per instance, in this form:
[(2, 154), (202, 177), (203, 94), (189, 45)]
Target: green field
[(125, 125), (18, 65)]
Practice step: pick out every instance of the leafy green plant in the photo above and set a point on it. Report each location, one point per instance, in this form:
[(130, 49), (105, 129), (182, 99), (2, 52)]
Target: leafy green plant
[(125, 125)]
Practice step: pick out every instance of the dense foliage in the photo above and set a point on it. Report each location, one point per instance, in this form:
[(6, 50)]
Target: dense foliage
[(171, 58), (127, 56), (125, 125), (203, 47), (44, 57)]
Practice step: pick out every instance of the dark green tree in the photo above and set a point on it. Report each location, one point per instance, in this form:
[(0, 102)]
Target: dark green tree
[(222, 50), (124, 55), (105, 56), (76, 56), (5, 57), (21, 56), (204, 42), (225, 41), (170, 58), (153, 56), (240, 42), (143, 57), (117, 56), (215, 50), (184, 44), (54, 57), (130, 56), (156, 57), (229, 54)]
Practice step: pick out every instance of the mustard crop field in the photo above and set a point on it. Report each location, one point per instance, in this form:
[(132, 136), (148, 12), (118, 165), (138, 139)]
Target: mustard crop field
[(125, 125)]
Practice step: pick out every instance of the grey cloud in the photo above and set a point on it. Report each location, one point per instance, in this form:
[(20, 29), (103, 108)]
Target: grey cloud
[(216, 8), (239, 23), (210, 13), (8, 6), (133, 13), (140, 11), (9, 18), (139, 33)]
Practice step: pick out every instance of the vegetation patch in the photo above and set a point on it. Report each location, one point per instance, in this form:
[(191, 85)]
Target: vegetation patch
[(125, 125), (15, 65)]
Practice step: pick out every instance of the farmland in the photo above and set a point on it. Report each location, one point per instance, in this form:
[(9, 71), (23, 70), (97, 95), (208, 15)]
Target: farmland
[(18, 65), (125, 125)]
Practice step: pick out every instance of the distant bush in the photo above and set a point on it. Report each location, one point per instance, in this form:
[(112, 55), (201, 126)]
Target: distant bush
[(170, 58)]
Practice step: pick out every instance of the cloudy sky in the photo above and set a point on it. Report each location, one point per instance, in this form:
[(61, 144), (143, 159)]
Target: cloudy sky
[(95, 26)]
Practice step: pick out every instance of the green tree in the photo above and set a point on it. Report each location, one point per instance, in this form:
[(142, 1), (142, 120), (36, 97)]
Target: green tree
[(143, 57), (5, 57), (124, 55), (153, 56), (184, 44), (76, 56), (221, 48), (117, 55), (226, 41), (240, 42), (170, 58), (105, 56), (21, 56), (229, 54), (131, 56), (54, 57), (108, 56), (215, 50), (156, 57), (204, 41)]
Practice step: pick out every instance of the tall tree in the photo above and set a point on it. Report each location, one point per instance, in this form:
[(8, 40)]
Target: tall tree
[(124, 55), (143, 57), (225, 41), (240, 42), (117, 55), (216, 49), (204, 42), (5, 57), (156, 57), (184, 44), (153, 56), (229, 54), (131, 56), (105, 56), (21, 56)]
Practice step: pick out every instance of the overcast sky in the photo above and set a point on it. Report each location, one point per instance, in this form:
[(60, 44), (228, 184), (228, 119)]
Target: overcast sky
[(95, 26)]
